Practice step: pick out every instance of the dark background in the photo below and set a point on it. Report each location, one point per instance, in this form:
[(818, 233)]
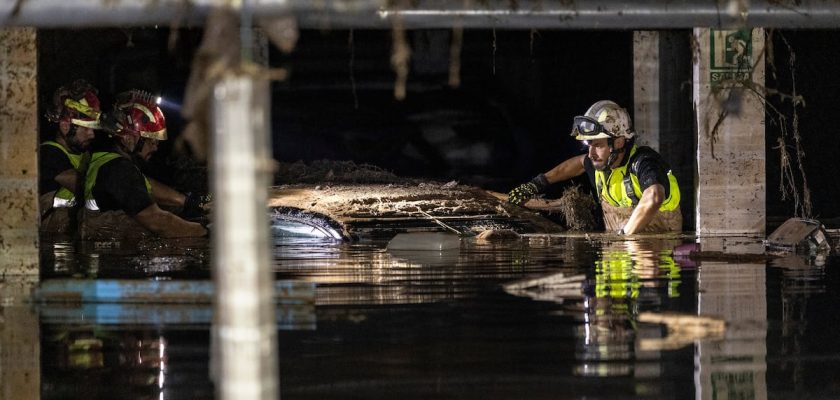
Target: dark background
[(508, 120)]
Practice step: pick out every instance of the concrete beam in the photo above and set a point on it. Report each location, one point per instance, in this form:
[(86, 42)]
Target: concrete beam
[(18, 152)]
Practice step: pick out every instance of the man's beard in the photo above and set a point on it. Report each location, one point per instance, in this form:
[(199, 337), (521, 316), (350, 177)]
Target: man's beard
[(76, 146), (599, 165)]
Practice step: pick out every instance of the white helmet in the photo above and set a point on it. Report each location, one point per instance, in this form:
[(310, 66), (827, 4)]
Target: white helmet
[(603, 120)]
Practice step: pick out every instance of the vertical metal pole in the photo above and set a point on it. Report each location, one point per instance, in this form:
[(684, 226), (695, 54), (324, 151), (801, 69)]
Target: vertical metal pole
[(244, 323)]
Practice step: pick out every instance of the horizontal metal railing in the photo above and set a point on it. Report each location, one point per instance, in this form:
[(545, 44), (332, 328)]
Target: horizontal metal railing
[(377, 14)]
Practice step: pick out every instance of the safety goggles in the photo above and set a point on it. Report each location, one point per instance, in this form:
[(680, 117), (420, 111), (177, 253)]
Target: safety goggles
[(92, 120), (586, 128)]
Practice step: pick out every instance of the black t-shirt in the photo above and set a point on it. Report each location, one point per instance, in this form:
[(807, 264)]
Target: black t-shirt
[(652, 169), (120, 186), (51, 162), (646, 164)]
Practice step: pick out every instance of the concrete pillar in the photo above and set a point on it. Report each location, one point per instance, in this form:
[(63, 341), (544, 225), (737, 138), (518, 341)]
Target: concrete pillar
[(731, 183), (18, 152), (735, 367), (20, 341), (646, 87), (20, 346)]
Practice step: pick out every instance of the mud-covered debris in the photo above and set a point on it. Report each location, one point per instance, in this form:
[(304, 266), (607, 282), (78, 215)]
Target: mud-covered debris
[(497, 234), (330, 171), (364, 209), (799, 235), (550, 281), (683, 330), (556, 287), (450, 185), (578, 209)]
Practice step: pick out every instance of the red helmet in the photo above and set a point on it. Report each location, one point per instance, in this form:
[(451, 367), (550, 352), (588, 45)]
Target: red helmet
[(136, 113), (76, 103)]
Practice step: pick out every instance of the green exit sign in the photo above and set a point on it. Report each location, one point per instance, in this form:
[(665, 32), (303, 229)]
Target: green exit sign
[(731, 55)]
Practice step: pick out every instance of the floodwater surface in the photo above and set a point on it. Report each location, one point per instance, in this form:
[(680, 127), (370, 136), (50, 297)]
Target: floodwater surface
[(465, 324)]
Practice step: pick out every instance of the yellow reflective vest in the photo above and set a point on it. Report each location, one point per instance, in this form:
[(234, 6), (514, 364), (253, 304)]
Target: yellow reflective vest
[(63, 196), (97, 160), (620, 187)]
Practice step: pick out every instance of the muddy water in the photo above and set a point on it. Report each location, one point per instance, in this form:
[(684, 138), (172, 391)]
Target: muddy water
[(424, 324)]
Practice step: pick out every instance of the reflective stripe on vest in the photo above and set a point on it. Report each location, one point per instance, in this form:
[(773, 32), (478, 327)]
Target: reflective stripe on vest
[(97, 160), (622, 189), (63, 196)]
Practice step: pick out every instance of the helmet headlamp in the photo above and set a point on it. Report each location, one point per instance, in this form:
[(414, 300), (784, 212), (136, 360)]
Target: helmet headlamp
[(136, 113)]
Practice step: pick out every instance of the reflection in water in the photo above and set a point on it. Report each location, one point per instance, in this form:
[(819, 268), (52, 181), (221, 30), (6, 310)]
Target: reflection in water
[(441, 325), (367, 273), (20, 350), (186, 258), (119, 363), (629, 277), (736, 366), (804, 285)]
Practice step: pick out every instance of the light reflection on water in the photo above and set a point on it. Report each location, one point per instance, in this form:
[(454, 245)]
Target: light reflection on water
[(432, 324)]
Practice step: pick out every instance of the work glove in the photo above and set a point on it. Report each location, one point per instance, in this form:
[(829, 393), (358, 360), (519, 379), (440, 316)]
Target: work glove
[(526, 191), (196, 205)]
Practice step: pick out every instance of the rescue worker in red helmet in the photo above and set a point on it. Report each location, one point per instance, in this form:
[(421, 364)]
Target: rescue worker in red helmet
[(637, 191), (62, 160), (120, 201)]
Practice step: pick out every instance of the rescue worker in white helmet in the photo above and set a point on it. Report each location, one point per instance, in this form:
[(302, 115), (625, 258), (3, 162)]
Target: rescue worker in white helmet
[(635, 186), (120, 201), (62, 160)]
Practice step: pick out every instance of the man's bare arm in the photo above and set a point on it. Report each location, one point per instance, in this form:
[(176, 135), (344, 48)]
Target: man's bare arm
[(566, 170), (644, 212), (165, 195), (166, 224), (69, 179)]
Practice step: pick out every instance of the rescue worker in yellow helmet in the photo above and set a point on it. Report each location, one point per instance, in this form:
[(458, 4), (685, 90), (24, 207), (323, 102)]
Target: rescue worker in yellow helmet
[(75, 110), (635, 186), (120, 201)]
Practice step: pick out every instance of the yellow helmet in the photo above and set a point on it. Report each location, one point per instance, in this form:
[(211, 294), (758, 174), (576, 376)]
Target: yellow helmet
[(76, 103)]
